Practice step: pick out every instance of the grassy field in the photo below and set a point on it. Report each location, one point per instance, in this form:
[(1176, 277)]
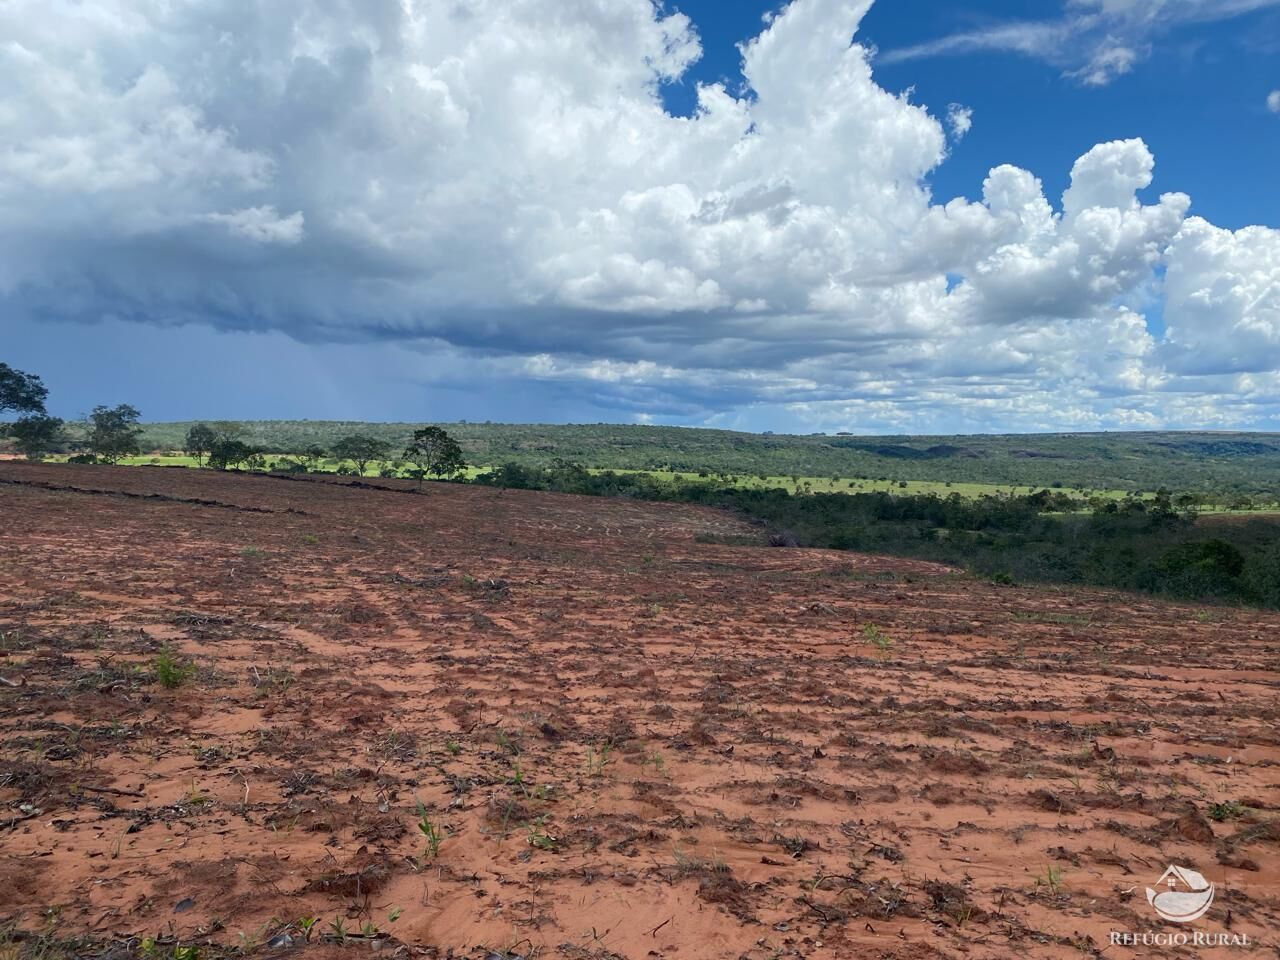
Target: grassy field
[(1213, 463), (791, 484), (1220, 466)]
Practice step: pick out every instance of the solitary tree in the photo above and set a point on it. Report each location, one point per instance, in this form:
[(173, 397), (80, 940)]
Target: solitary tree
[(360, 450), (434, 453), (228, 452), (36, 434), (114, 432), (200, 440), (20, 391)]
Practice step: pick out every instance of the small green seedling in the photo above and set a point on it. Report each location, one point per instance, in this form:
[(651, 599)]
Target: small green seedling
[(517, 778), (1231, 810), (171, 670), (1051, 878), (504, 742), (877, 638), (539, 836), (598, 759), (432, 832)]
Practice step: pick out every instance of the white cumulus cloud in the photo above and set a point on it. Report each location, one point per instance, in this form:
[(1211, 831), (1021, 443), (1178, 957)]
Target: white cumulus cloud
[(959, 119), (1223, 299), (499, 180)]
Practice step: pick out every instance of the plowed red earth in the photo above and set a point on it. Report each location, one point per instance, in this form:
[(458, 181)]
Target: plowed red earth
[(635, 742)]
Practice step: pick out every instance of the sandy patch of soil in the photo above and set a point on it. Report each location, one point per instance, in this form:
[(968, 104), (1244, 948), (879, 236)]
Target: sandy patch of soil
[(633, 742)]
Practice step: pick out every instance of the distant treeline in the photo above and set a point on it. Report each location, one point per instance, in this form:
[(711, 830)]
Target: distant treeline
[(1155, 544), (1219, 464), (1132, 544)]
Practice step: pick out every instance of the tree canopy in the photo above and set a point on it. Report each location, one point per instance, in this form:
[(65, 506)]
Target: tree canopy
[(228, 452), (22, 392), (434, 453), (200, 440), (114, 432), (361, 450), (36, 434)]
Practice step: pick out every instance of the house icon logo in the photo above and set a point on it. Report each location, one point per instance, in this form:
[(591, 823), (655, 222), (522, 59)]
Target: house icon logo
[(1186, 895)]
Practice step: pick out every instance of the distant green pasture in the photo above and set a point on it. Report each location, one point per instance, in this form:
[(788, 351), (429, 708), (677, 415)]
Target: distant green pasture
[(812, 484), (792, 484)]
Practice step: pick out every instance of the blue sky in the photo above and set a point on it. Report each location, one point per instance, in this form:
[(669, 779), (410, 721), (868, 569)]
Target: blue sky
[(1199, 96), (347, 211)]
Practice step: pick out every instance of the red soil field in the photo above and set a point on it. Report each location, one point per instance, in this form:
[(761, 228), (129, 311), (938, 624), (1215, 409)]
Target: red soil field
[(634, 741)]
